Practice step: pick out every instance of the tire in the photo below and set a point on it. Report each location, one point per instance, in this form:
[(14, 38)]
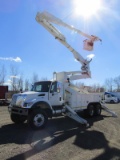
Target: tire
[(90, 110), (97, 110), (37, 119), (112, 101), (17, 118)]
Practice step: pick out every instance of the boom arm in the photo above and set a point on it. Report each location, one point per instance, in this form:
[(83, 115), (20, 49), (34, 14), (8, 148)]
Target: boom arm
[(46, 20)]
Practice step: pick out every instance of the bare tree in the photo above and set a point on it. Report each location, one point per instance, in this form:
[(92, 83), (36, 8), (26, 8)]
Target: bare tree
[(14, 77), (96, 88), (117, 83), (79, 84), (93, 88), (109, 83), (35, 78), (27, 85), (20, 84), (2, 75)]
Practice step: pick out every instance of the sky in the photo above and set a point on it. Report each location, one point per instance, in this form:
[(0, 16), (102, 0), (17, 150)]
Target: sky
[(25, 44)]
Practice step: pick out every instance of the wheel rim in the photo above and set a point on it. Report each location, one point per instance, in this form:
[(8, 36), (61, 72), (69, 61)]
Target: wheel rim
[(38, 120), (112, 101), (98, 111), (91, 112)]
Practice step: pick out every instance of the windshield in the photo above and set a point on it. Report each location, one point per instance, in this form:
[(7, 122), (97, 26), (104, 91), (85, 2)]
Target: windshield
[(113, 95), (41, 86)]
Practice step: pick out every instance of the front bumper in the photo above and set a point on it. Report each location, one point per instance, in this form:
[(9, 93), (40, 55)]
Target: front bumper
[(18, 110)]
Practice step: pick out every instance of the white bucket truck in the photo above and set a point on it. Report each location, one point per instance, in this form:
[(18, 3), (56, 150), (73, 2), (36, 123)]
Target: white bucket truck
[(58, 96)]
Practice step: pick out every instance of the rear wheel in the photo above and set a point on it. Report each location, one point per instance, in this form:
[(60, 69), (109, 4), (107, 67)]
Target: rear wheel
[(17, 118), (97, 110), (90, 110), (37, 119)]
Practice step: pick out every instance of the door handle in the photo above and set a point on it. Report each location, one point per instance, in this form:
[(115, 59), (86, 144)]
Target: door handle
[(60, 98)]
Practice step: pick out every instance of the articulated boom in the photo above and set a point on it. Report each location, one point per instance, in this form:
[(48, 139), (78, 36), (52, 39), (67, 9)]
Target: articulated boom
[(46, 20)]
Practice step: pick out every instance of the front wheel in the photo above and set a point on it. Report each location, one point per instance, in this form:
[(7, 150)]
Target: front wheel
[(17, 118), (37, 119), (112, 101)]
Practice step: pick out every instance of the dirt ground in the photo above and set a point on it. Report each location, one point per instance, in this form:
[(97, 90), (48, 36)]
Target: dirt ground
[(62, 139)]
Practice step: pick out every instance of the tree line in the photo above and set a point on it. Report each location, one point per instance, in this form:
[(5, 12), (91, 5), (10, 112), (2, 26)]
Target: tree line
[(110, 85), (17, 82)]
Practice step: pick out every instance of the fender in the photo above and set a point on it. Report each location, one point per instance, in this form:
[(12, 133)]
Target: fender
[(94, 103), (44, 106)]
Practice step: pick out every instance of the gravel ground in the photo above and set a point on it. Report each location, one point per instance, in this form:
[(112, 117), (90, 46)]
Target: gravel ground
[(62, 139)]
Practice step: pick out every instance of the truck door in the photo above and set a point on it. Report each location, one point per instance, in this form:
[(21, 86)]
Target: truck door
[(108, 98), (56, 94)]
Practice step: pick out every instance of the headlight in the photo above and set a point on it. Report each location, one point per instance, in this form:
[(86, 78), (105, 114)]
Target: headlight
[(27, 104), (20, 99)]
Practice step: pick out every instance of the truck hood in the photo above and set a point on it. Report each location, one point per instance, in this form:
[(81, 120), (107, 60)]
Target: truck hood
[(32, 94), (19, 98)]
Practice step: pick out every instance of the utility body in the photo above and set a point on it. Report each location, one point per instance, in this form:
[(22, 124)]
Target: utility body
[(59, 96)]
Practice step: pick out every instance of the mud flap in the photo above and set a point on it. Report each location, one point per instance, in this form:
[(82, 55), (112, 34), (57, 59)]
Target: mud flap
[(72, 114), (108, 110)]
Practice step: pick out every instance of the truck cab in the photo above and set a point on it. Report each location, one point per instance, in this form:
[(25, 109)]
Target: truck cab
[(44, 100), (50, 92), (110, 98)]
